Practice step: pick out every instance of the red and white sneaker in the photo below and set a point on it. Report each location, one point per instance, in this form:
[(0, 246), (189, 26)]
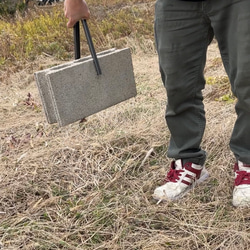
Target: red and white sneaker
[(179, 180), (241, 193)]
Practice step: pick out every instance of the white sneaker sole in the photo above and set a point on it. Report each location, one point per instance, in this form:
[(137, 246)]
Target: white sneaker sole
[(241, 197), (202, 178)]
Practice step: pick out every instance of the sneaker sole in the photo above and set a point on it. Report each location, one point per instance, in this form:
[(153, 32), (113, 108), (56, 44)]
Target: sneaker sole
[(240, 200), (202, 178)]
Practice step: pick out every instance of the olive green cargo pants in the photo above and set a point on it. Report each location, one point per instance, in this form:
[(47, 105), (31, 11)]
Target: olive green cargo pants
[(183, 31)]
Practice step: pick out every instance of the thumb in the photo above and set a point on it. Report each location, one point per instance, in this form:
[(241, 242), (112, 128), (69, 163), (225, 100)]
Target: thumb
[(71, 23)]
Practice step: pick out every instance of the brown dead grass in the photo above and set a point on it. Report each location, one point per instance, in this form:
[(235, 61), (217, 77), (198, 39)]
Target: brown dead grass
[(89, 185)]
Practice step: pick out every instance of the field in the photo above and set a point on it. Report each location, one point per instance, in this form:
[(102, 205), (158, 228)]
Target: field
[(89, 185)]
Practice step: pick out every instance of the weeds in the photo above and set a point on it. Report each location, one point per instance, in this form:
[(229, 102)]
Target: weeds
[(221, 89), (24, 39), (44, 31)]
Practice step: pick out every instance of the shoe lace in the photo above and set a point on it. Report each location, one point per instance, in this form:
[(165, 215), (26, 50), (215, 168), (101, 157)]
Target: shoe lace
[(243, 177), (173, 175)]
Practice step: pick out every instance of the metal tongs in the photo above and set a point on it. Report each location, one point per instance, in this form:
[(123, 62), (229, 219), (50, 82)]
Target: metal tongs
[(90, 43)]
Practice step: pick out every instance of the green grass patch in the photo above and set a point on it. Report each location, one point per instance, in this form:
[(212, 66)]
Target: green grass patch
[(222, 88), (44, 31)]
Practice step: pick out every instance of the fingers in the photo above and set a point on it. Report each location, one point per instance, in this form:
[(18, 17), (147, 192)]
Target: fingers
[(75, 10), (71, 23)]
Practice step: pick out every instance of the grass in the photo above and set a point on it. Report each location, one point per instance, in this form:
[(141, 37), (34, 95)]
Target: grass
[(89, 185), (223, 93), (44, 31)]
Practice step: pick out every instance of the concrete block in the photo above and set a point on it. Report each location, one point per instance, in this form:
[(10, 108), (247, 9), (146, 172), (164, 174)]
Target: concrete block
[(44, 89), (73, 90)]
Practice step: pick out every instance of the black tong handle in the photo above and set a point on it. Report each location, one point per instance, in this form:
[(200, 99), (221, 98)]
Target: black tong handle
[(77, 41), (90, 43)]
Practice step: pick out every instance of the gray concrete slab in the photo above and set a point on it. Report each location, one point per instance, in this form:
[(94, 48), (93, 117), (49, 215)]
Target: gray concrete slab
[(44, 88), (74, 91)]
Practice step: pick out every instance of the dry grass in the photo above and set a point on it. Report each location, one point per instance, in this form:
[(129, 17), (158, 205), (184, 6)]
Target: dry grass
[(43, 31), (89, 185)]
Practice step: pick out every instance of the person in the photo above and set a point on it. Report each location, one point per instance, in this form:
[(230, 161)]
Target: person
[(183, 32), (75, 10)]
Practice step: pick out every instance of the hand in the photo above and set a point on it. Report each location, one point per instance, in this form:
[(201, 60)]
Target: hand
[(75, 10)]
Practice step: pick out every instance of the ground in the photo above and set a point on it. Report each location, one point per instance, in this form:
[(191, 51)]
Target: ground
[(89, 185)]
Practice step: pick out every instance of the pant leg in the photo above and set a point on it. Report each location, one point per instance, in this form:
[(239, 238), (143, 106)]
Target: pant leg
[(231, 23), (182, 35)]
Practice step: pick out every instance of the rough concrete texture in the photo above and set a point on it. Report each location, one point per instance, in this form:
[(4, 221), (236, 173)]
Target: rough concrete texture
[(44, 89), (72, 91), (45, 95)]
